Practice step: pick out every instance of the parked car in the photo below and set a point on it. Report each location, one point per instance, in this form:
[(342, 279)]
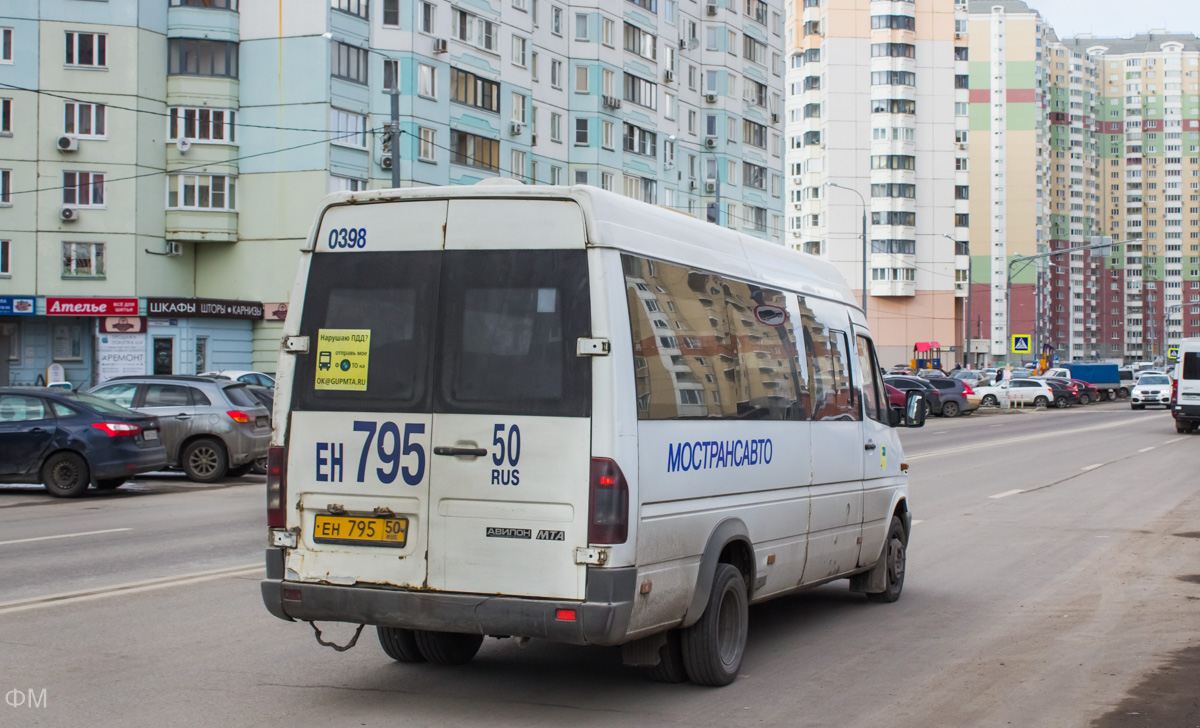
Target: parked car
[(1151, 389), (927, 373), (256, 378), (896, 397), (1088, 392), (933, 396), (265, 395), (901, 371), (68, 440), (1025, 391), (210, 427), (957, 396), (1065, 392)]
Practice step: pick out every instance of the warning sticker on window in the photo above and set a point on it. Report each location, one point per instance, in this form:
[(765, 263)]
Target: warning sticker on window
[(342, 357)]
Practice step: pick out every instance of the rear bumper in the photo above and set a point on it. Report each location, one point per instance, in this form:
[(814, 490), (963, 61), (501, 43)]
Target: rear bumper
[(601, 619), (1186, 412), (247, 444), (126, 462)]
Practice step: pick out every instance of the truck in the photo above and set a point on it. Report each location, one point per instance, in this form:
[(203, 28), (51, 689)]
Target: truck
[(1104, 377)]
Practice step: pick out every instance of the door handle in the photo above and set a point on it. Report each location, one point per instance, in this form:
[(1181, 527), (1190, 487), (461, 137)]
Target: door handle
[(869, 446), (37, 429), (183, 416), (452, 451)]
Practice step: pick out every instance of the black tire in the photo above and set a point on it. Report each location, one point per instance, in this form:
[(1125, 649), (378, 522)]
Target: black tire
[(240, 470), (1041, 401), (1061, 401), (65, 475), (447, 648), (989, 400), (1182, 428), (1085, 398), (950, 409), (111, 483), (260, 466), (1123, 391), (714, 646), (895, 557), (1112, 396), (204, 460), (670, 669), (399, 644)]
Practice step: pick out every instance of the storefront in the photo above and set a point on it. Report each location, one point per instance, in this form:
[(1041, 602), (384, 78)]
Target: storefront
[(35, 333), (196, 335)]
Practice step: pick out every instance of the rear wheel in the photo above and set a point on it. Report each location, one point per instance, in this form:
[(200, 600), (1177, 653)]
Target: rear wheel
[(895, 558), (989, 400), (950, 409), (670, 668), (204, 460), (1040, 401), (111, 483), (448, 648), (1123, 391), (65, 475), (713, 647), (1085, 398), (1061, 402), (1182, 428), (400, 644)]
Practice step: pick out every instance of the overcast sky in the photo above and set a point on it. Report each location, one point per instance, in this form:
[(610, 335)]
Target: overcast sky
[(1119, 18)]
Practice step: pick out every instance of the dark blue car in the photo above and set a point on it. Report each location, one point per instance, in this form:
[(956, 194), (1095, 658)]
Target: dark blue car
[(69, 440)]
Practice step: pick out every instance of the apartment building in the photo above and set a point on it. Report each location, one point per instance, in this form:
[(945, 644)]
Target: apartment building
[(877, 119), (178, 148)]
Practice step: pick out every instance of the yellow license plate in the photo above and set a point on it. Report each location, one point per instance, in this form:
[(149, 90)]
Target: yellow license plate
[(363, 530)]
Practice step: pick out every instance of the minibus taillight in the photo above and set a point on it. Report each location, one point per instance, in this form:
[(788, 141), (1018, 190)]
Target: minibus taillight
[(608, 503), (276, 487)]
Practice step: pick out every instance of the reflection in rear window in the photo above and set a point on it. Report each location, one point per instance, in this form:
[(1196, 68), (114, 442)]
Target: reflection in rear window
[(1191, 365)]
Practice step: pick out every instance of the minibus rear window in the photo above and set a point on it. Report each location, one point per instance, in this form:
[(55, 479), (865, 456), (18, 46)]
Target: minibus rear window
[(1191, 365)]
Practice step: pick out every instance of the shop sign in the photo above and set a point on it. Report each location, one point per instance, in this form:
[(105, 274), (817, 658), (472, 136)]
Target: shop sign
[(91, 306), (120, 355), (275, 311), (17, 305), (204, 308), (123, 325)]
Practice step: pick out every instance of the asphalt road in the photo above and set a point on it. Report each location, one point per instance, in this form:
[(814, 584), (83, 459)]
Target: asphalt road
[(1054, 568)]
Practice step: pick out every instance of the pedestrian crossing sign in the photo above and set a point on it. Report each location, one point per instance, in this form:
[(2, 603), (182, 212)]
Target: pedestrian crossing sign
[(1172, 352), (1020, 344)]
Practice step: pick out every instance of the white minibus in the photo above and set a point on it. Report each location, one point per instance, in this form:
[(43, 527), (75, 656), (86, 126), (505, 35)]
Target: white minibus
[(559, 413), (1185, 405)]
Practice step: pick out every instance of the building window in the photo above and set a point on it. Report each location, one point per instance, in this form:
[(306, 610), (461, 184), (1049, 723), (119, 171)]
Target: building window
[(470, 28), (607, 135), (640, 141), (582, 129), (87, 49), (606, 181), (467, 88), (516, 166), (555, 127), (893, 106), (581, 28), (197, 125), (348, 62), (213, 4), (754, 176), (518, 107), (754, 92), (640, 188), (391, 71), (5, 186), (428, 141), (337, 183), (348, 129), (351, 7), (754, 51), (427, 81), (201, 192), (194, 57), (754, 134), (6, 116), (5, 258), (651, 5), (6, 45), (640, 42), (83, 189), (474, 151), (427, 20), (555, 20), (581, 79), (555, 74), (607, 31), (641, 92), (83, 260), (756, 218), (520, 48), (556, 175), (893, 50)]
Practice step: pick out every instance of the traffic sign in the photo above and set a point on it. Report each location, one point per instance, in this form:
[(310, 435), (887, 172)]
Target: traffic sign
[(1172, 352), (1020, 344)]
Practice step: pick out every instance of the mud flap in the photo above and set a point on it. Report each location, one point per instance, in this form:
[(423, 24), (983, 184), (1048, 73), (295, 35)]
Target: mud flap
[(646, 652)]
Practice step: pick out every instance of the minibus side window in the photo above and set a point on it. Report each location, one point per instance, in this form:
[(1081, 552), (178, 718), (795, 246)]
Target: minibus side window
[(833, 388), (1191, 365), (872, 394)]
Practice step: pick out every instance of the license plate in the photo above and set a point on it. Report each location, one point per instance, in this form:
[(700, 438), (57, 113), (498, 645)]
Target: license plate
[(149, 434), (367, 531)]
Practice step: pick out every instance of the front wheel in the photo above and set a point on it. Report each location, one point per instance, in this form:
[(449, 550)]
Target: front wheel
[(989, 400), (65, 475), (204, 460), (950, 409), (1061, 402), (1040, 401), (448, 648), (713, 647), (1085, 399), (894, 558)]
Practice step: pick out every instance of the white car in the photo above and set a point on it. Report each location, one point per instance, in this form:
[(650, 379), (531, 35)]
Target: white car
[(1137, 378), (1151, 389), (1016, 391), (258, 378)]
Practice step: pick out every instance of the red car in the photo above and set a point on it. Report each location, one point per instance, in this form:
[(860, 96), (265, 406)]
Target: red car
[(896, 398)]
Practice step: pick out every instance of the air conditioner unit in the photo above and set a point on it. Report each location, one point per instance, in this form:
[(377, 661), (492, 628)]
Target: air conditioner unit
[(440, 45), (533, 140), (711, 9), (710, 186), (957, 36), (385, 162), (962, 146), (710, 98), (668, 76), (692, 185), (710, 142), (68, 143), (775, 118), (68, 214), (516, 128), (682, 44), (611, 102), (174, 248)]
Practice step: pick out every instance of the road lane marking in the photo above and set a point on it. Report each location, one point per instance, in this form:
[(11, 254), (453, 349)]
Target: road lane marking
[(916, 522), (1168, 442), (64, 535), (1040, 435), (1146, 449), (999, 424), (1093, 466), (135, 587), (1006, 493)]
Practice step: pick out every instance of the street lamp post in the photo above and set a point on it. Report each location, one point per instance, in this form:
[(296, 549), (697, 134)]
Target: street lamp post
[(864, 241)]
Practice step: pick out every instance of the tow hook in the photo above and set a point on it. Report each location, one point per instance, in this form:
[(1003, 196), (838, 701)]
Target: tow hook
[(347, 646)]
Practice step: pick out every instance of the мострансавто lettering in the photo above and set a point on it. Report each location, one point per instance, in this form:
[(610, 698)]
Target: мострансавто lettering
[(707, 454)]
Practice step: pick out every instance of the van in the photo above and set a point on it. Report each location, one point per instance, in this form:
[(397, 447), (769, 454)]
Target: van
[(558, 413), (1185, 407)]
